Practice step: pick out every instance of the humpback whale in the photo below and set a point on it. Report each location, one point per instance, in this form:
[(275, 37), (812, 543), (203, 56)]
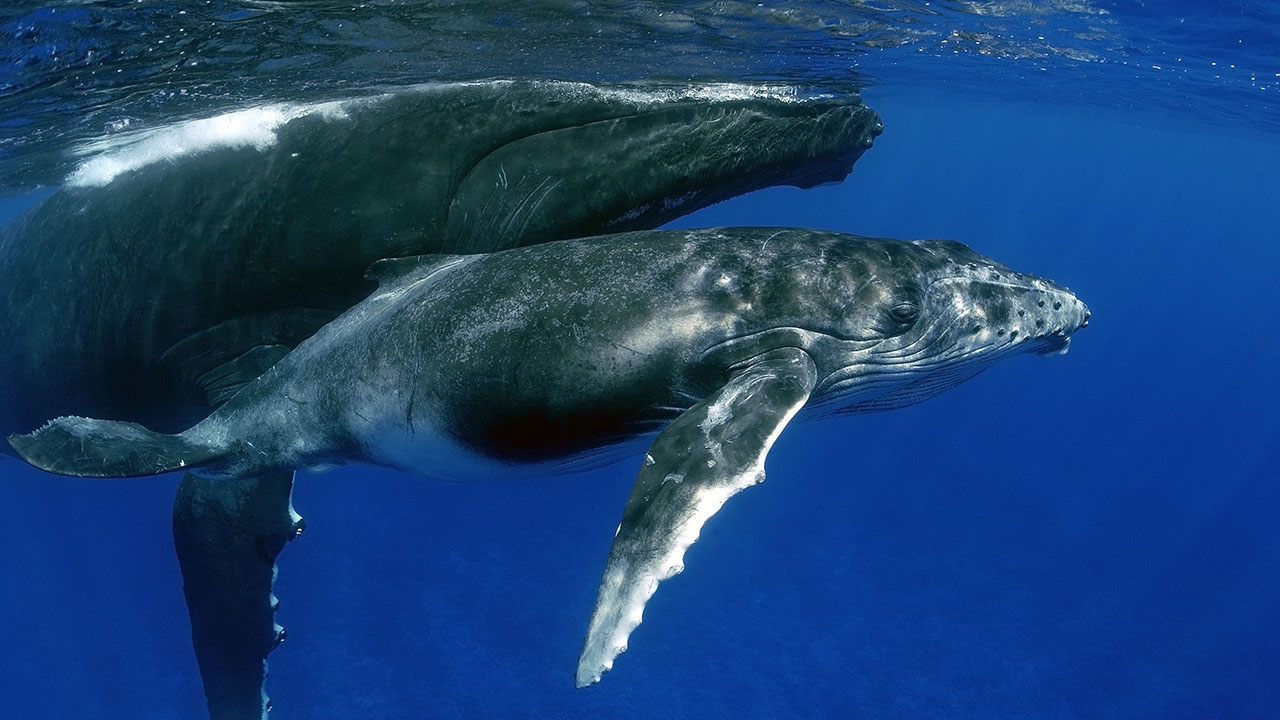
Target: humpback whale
[(179, 262), (705, 343)]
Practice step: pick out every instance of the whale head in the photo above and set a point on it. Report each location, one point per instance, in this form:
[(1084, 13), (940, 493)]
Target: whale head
[(934, 314)]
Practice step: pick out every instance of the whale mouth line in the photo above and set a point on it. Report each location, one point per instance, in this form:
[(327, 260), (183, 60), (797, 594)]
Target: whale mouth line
[(1053, 347)]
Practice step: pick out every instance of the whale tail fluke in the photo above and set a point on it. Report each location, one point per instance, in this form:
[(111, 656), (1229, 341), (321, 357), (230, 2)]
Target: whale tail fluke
[(106, 448)]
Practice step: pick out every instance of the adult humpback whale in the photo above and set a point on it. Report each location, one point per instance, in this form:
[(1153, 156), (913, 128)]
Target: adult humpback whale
[(715, 338), (178, 262)]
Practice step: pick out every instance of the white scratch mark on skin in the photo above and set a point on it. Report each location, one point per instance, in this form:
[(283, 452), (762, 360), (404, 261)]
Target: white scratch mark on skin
[(529, 214), (765, 244)]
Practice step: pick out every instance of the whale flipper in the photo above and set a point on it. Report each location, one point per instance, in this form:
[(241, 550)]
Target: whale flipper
[(109, 449), (708, 454), (228, 535)]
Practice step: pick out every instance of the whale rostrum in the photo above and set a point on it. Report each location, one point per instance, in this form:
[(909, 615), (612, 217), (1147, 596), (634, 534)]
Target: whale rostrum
[(712, 339)]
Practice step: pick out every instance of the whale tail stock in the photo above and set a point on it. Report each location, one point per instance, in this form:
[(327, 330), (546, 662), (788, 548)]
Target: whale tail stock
[(85, 447)]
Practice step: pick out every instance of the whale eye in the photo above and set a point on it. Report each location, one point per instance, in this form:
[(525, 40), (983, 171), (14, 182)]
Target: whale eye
[(905, 312)]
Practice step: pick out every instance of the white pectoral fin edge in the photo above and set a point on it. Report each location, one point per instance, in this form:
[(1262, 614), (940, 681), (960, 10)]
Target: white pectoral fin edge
[(708, 454)]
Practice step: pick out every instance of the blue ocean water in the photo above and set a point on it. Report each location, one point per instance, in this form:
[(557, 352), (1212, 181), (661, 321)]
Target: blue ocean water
[(1087, 536)]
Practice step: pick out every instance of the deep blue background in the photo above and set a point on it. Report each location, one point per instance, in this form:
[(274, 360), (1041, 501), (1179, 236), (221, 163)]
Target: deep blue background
[(1088, 536)]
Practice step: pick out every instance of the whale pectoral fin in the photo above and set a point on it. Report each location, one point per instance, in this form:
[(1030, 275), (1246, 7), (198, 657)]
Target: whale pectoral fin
[(711, 452), (228, 535)]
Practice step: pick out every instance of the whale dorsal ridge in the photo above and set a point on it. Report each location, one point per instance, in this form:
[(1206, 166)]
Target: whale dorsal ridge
[(390, 273)]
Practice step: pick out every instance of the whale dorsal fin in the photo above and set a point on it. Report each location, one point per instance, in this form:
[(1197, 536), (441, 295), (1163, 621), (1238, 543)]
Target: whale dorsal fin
[(708, 454)]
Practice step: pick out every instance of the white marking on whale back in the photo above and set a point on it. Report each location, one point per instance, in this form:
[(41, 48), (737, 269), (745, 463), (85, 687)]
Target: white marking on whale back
[(255, 127), (711, 92), (112, 155)]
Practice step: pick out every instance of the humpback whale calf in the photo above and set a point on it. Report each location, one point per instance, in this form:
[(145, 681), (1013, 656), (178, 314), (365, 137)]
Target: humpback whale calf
[(178, 262), (712, 339)]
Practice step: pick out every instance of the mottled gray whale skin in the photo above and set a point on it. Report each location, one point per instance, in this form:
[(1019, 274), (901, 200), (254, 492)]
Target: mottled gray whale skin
[(713, 339), (156, 281)]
